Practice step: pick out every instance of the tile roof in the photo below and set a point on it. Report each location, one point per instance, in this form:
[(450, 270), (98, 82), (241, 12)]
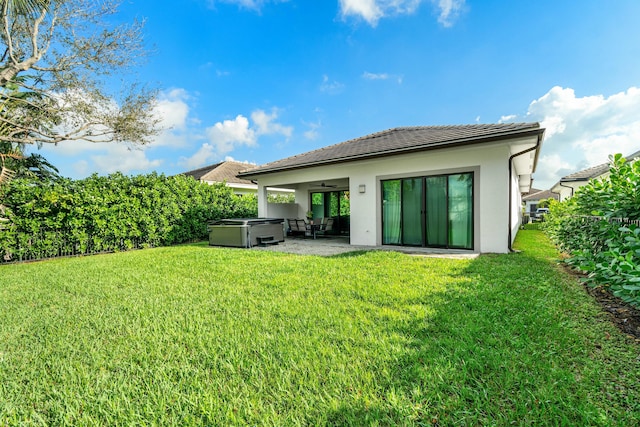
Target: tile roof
[(541, 195), (401, 140), (587, 174), (219, 172), (532, 191), (595, 171)]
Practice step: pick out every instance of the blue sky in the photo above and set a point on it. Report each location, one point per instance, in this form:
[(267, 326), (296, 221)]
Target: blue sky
[(259, 80)]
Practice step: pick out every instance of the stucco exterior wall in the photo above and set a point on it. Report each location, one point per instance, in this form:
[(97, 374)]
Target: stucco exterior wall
[(491, 189), (282, 210), (515, 208)]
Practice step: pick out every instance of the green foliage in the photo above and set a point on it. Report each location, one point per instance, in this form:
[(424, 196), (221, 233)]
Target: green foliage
[(615, 196), (192, 335), (281, 198), (112, 213), (596, 228), (546, 202)]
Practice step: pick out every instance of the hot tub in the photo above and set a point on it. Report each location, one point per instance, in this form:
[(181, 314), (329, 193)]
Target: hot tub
[(245, 232)]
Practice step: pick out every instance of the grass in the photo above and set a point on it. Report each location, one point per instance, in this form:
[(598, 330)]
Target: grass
[(193, 335)]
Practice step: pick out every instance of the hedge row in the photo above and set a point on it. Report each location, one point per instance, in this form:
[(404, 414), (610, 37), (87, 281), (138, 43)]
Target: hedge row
[(111, 213), (599, 227)]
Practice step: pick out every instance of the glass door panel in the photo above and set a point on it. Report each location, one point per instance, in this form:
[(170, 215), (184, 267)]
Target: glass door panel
[(412, 212), (461, 211), (436, 210), (391, 208), (317, 205)]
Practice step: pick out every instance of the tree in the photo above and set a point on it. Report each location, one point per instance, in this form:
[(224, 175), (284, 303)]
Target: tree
[(56, 60), (545, 202)]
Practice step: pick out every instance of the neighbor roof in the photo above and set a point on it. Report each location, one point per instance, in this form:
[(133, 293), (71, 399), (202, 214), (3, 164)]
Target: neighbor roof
[(220, 172), (540, 195), (586, 174), (401, 140), (595, 171)]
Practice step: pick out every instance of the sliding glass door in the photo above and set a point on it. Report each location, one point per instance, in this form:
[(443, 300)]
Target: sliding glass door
[(432, 211), (332, 204)]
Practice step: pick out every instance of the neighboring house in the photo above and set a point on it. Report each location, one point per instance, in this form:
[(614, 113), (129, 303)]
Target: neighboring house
[(567, 186), (445, 187), (227, 172), (533, 199)]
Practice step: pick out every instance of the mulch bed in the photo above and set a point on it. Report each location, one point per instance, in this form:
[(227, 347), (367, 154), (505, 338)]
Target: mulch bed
[(623, 315)]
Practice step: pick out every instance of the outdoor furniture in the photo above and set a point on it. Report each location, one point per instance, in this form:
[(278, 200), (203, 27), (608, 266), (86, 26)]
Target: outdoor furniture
[(294, 227), (312, 229), (302, 226), (325, 227)]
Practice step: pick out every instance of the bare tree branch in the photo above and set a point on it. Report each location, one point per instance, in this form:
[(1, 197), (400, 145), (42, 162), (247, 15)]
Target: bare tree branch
[(54, 73)]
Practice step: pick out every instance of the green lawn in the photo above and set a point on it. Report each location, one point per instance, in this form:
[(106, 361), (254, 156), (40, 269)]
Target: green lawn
[(194, 335)]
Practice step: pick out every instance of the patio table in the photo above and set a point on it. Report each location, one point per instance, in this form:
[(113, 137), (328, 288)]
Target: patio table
[(313, 228)]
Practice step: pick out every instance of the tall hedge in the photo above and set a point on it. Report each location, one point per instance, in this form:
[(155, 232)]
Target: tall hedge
[(598, 227), (115, 212)]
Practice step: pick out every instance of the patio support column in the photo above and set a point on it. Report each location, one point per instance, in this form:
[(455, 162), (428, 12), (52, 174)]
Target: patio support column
[(263, 205)]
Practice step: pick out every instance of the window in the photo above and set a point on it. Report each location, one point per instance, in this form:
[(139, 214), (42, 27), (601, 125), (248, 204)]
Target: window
[(430, 211)]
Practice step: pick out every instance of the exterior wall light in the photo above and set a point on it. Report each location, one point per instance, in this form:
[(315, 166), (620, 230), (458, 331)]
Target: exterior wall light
[(362, 188)]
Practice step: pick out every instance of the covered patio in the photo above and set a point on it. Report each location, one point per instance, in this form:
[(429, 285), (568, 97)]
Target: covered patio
[(315, 200)]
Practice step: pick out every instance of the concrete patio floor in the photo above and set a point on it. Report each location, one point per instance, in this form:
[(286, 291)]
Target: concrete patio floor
[(328, 246)]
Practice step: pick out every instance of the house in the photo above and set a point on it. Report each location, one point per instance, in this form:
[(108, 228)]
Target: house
[(445, 187), (534, 197), (567, 186), (227, 172)]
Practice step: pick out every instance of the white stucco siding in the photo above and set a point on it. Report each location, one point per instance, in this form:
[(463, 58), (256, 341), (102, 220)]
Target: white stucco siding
[(516, 205), (490, 167)]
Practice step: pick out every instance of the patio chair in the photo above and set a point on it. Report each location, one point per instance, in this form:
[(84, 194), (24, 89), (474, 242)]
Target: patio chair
[(326, 228), (303, 227), (295, 228), (291, 226)]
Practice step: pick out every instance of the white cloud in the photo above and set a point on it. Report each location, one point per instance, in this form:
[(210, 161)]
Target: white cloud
[(247, 4), (119, 158), (331, 87), (205, 154), (266, 124), (505, 119), (81, 168), (382, 76), (449, 10), (365, 9), (312, 133), (246, 162), (374, 10), (375, 76), (224, 137), (582, 131), (172, 109)]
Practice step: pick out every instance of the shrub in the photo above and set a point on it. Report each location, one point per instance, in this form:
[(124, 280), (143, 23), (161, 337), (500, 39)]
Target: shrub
[(111, 213), (596, 228)]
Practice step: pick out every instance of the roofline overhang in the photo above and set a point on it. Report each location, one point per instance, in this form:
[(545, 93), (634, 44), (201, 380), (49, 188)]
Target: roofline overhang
[(577, 179), (539, 132)]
